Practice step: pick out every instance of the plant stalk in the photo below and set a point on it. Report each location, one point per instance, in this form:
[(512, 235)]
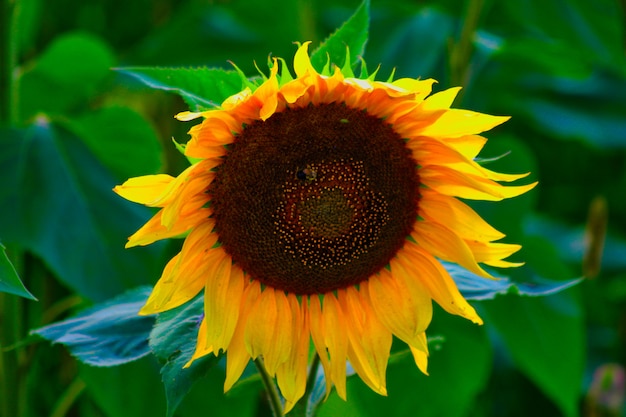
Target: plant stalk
[(270, 388)]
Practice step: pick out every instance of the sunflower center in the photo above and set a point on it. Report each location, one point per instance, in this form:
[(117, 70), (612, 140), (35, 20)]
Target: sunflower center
[(315, 199)]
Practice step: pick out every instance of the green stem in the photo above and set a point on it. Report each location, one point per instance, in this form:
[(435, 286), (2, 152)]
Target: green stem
[(300, 409), (461, 52), (10, 358), (270, 388), (9, 50), (68, 398)]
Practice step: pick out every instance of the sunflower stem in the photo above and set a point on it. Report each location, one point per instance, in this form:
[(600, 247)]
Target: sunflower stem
[(9, 50), (303, 405), (461, 51), (270, 388)]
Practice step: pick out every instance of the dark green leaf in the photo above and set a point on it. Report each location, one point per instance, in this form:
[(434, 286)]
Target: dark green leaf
[(66, 74), (57, 202), (201, 88), (132, 389), (121, 139), (108, 334), (545, 338), (9, 280), (173, 341), (458, 372), (352, 34), (414, 42)]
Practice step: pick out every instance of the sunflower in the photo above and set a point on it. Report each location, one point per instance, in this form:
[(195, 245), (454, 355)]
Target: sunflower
[(318, 211)]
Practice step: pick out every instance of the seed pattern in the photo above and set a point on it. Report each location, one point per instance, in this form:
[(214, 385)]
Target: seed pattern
[(314, 199), (330, 220)]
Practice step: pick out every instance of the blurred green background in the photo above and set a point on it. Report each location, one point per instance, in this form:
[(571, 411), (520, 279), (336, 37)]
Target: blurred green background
[(72, 129)]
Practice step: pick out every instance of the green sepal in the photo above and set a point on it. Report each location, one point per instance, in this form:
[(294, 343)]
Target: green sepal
[(181, 148)]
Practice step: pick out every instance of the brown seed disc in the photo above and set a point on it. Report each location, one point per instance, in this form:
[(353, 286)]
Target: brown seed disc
[(315, 199)]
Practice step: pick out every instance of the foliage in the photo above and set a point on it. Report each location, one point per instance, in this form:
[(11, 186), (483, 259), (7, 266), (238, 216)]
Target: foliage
[(71, 129)]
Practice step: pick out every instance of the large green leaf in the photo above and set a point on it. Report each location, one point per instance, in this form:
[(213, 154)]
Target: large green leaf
[(458, 370), (414, 41), (173, 341), (201, 88), (9, 280), (352, 34), (544, 335), (68, 72), (121, 139), (545, 338), (56, 201), (132, 389)]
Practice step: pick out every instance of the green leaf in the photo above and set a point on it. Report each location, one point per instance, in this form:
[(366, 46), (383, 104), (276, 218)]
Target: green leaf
[(66, 74), (596, 28), (352, 34), (57, 202), (458, 372), (121, 139), (546, 340), (9, 280), (108, 334), (201, 88), (173, 341), (415, 42), (132, 389)]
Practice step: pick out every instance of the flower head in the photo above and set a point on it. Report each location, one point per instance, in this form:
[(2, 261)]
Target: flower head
[(318, 212)]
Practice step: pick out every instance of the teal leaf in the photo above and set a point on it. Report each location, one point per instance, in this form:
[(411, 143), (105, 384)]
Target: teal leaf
[(57, 202), (201, 88), (68, 72), (475, 287), (121, 139), (173, 341), (9, 280), (108, 334), (352, 34)]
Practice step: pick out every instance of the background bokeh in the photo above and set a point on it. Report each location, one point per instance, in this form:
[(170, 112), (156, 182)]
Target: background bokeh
[(72, 129)]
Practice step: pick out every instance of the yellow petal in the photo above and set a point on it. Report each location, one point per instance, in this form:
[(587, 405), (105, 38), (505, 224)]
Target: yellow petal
[(291, 375), (468, 145), (436, 279), (445, 244), (237, 356), (145, 190), (441, 100), (401, 302), (370, 341), (492, 253), (301, 62), (316, 324), (280, 347), (336, 341), (185, 275), (454, 183), (421, 356), (457, 122), (154, 230), (261, 323), (203, 348), (457, 216), (222, 295), (429, 151)]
